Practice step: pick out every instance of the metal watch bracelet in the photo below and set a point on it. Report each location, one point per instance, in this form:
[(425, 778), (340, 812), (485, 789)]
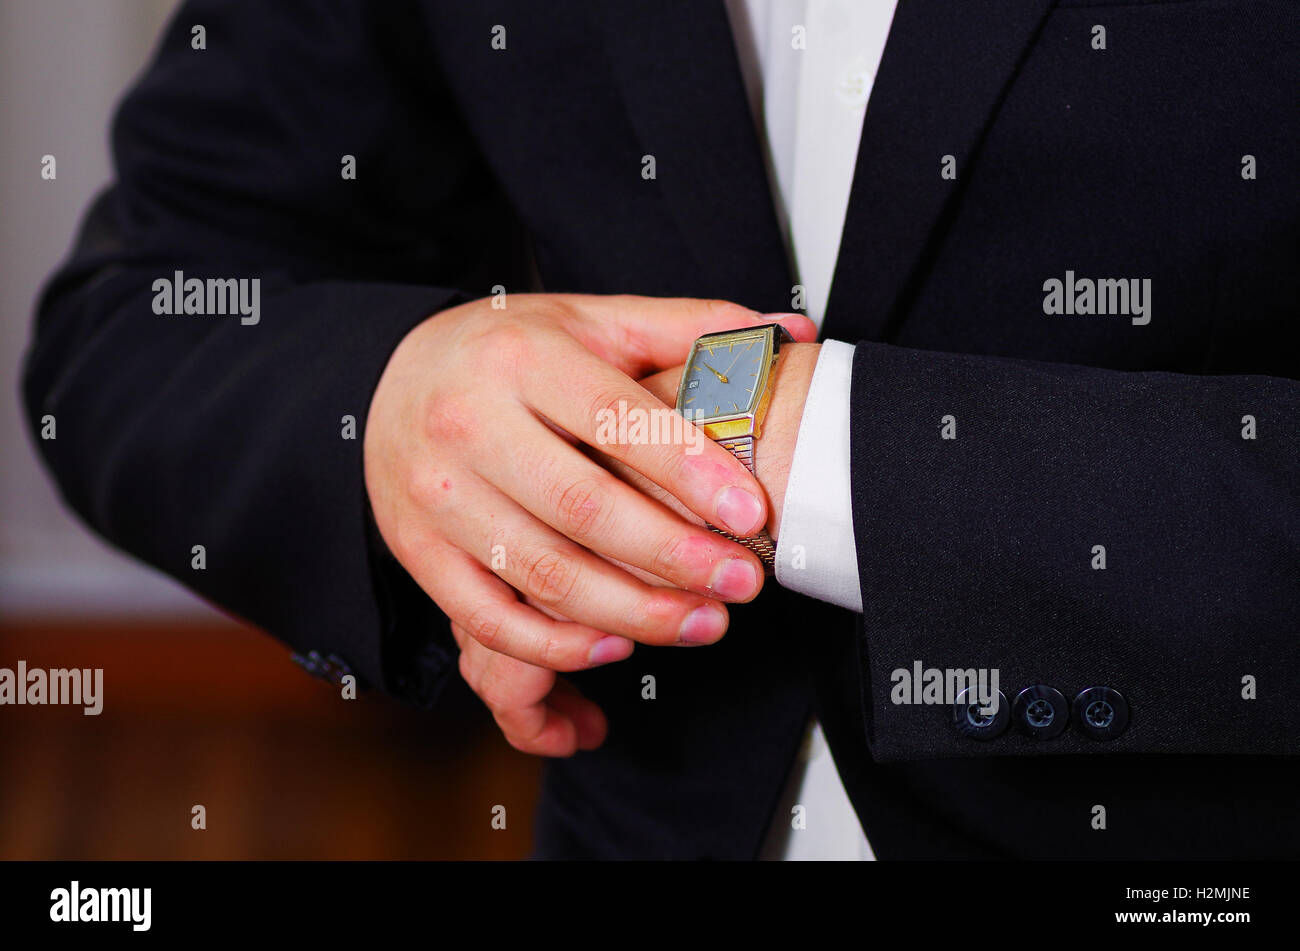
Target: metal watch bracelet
[(760, 543)]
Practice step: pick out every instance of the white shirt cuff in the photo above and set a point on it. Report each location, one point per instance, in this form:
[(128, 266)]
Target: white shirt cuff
[(816, 554)]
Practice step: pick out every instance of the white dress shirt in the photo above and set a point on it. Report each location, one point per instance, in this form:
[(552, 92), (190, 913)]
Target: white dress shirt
[(809, 66)]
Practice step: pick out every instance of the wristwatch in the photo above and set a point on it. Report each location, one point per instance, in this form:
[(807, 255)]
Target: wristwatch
[(725, 391)]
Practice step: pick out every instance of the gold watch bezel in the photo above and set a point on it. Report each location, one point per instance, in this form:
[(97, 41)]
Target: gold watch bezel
[(735, 425)]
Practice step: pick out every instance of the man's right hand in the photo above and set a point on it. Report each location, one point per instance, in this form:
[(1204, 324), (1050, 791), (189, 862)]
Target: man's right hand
[(480, 491)]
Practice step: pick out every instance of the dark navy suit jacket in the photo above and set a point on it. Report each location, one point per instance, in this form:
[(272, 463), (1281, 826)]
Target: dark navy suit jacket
[(476, 165)]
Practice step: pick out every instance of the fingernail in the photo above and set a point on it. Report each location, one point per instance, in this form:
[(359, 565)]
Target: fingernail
[(609, 649), (734, 580), (738, 511), (704, 625)]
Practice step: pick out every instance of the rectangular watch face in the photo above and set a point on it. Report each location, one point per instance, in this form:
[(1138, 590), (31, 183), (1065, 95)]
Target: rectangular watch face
[(724, 381)]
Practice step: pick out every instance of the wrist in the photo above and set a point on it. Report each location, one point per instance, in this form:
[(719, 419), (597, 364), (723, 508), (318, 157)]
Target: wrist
[(774, 449)]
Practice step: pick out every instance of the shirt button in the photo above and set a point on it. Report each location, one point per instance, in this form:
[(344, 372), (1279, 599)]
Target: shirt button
[(854, 86)]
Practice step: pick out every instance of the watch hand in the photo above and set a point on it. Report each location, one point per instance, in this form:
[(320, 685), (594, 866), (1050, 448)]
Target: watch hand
[(715, 372)]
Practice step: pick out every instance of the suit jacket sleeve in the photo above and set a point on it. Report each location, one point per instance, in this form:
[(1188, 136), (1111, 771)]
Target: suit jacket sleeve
[(177, 431), (985, 549)]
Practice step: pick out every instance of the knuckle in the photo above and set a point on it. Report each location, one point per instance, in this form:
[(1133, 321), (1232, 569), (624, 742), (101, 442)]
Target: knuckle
[(508, 345), (552, 308), (667, 559), (604, 402), (658, 617), (580, 507), (629, 344), (551, 653), (728, 311), (486, 625), (550, 577), (449, 418), (678, 555), (675, 466)]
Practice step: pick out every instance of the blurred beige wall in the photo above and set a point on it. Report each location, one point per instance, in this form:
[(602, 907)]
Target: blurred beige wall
[(63, 66)]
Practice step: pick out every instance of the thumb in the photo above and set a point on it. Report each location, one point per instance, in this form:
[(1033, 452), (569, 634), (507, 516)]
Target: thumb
[(642, 335)]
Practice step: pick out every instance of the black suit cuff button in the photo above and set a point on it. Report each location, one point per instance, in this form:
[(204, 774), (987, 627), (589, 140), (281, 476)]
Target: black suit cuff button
[(1041, 712), (970, 718), (331, 668), (1102, 713)]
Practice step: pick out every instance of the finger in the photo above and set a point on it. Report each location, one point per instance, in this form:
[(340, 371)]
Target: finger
[(639, 335), (502, 682), (649, 490), (608, 410), (488, 610), (589, 720), (549, 569), (548, 611), (583, 502), (560, 725), (540, 730), (517, 696), (536, 712)]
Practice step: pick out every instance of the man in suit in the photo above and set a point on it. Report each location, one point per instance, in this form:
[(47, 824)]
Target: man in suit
[(1049, 433)]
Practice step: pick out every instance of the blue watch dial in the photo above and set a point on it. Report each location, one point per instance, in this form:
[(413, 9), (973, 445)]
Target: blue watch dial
[(723, 376)]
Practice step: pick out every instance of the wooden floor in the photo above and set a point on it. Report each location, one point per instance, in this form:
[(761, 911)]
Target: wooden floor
[(216, 714)]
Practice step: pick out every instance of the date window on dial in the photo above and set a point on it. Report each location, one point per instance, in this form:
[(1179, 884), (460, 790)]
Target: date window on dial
[(692, 384)]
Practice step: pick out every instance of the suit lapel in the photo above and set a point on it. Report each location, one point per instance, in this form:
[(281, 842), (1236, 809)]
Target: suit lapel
[(944, 72), (676, 64)]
